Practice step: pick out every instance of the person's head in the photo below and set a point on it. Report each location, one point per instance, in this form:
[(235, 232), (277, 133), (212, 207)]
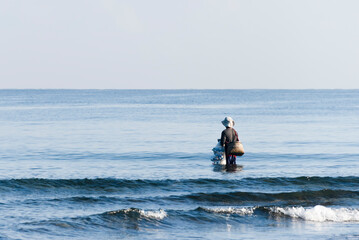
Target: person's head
[(228, 122)]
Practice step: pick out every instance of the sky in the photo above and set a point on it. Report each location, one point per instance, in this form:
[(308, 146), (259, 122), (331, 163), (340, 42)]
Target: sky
[(183, 44)]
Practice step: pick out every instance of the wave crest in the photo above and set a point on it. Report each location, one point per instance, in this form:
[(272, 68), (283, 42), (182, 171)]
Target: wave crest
[(140, 213), (230, 210), (320, 213)]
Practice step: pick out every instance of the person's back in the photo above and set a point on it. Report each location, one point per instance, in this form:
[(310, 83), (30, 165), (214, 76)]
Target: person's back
[(228, 135)]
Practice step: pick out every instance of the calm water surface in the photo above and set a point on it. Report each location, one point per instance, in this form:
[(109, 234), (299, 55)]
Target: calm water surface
[(135, 164)]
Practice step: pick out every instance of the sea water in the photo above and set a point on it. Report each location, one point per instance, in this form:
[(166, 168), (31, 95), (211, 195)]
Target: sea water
[(136, 164)]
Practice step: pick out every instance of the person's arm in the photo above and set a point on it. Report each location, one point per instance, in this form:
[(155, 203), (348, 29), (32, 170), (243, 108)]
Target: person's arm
[(236, 138), (223, 139)]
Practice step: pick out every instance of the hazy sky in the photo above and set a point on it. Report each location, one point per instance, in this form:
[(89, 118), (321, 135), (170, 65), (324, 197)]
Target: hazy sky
[(179, 44)]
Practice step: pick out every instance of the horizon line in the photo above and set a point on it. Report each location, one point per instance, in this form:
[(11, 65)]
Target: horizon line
[(173, 89)]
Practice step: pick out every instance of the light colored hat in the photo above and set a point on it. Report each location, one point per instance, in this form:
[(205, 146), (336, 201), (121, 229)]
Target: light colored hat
[(228, 122)]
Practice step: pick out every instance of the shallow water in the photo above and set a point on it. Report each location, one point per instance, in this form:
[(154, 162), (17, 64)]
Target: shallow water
[(114, 164)]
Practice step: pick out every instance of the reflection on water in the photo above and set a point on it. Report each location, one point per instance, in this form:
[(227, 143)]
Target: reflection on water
[(230, 169)]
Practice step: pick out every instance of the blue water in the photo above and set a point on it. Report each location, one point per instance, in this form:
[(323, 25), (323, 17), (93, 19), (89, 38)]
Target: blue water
[(135, 164)]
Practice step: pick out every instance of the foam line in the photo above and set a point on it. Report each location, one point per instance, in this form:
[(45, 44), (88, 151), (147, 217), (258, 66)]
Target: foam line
[(320, 213)]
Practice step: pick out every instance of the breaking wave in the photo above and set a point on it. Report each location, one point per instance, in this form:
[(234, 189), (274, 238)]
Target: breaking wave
[(139, 213), (229, 210), (320, 213), (317, 213)]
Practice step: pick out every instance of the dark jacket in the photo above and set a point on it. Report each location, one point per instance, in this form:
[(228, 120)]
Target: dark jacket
[(228, 135)]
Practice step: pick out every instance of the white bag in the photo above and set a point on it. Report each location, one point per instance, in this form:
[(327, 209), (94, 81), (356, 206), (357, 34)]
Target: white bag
[(219, 156)]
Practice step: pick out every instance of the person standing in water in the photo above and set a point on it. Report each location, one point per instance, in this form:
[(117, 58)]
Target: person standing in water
[(228, 135)]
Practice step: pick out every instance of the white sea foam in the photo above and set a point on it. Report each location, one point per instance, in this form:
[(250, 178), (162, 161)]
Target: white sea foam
[(320, 213), (232, 210), (160, 214)]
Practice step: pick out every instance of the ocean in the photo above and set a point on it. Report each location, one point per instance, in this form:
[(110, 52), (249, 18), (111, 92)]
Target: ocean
[(136, 164)]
